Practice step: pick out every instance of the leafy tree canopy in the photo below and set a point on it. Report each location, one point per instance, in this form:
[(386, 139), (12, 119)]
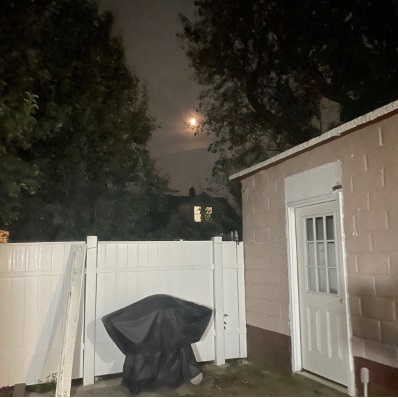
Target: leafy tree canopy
[(269, 67), (74, 126)]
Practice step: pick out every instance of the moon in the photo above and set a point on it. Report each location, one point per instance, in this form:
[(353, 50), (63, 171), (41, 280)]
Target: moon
[(193, 121)]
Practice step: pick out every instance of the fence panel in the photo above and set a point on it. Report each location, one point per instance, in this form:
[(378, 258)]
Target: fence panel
[(130, 271), (234, 301), (33, 286)]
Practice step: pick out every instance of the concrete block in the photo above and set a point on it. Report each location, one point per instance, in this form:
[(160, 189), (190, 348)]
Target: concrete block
[(272, 308), (359, 243), (255, 305), (389, 130), (249, 257), (373, 263), (259, 180), (278, 231), (245, 196), (282, 249), (276, 293), (382, 353), (355, 306), (272, 277), (393, 219), (282, 326), (354, 202), (378, 308), (361, 285), (260, 321), (257, 290), (385, 156), (262, 262), (256, 219), (391, 176), (254, 275), (385, 199), (368, 329), (365, 140), (387, 286), (278, 261), (394, 263), (358, 346), (367, 181), (385, 241), (356, 164), (248, 231), (389, 332), (370, 221), (285, 311), (262, 234), (352, 264)]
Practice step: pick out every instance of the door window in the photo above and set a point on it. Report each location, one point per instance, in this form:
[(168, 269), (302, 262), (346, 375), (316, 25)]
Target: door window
[(321, 254)]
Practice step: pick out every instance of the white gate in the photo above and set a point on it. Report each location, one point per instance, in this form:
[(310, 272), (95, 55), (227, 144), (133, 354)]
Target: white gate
[(34, 283)]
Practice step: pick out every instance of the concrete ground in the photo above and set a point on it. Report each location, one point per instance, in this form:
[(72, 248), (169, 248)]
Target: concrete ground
[(238, 378)]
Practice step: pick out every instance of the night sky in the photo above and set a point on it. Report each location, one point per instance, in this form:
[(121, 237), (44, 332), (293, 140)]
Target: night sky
[(149, 28)]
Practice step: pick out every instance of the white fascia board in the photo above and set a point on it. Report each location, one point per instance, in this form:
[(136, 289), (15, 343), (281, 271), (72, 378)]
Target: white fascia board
[(334, 133)]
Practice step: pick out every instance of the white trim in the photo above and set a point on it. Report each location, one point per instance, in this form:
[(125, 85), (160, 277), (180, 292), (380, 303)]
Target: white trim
[(352, 391), (325, 382), (330, 197), (294, 308), (334, 133)]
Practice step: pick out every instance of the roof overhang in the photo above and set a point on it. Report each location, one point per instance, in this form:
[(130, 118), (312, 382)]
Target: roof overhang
[(328, 136)]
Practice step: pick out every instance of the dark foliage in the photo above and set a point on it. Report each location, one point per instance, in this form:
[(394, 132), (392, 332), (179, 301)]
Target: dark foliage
[(270, 68), (74, 126)]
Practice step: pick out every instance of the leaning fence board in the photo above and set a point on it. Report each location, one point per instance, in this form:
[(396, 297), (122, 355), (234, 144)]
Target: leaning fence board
[(19, 390), (64, 380)]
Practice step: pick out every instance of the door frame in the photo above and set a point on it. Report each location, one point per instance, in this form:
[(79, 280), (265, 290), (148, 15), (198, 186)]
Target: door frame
[(294, 309)]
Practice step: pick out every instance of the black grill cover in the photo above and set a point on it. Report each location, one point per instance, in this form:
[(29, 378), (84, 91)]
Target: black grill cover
[(156, 334)]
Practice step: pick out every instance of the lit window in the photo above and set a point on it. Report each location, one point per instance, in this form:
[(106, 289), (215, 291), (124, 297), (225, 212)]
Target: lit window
[(4, 236), (208, 213), (197, 214)]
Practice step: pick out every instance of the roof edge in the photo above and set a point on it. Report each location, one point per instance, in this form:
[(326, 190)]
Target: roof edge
[(334, 133)]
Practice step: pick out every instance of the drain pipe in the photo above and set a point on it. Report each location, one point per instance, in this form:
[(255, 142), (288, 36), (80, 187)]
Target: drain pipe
[(365, 380)]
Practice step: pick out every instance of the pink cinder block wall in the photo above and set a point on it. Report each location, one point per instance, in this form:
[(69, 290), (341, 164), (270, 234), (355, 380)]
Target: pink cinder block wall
[(369, 160)]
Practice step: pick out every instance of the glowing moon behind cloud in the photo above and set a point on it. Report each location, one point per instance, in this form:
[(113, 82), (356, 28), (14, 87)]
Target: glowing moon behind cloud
[(192, 121)]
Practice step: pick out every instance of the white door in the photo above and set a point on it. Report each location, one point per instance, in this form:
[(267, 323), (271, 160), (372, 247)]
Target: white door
[(324, 345)]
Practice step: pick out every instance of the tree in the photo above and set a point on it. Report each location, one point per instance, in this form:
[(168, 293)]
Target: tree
[(74, 120), (269, 67)]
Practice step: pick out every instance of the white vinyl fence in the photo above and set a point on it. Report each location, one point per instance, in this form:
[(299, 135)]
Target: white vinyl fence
[(34, 281)]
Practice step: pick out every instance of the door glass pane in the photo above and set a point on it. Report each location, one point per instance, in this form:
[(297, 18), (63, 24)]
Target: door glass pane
[(332, 280), (312, 279), (310, 229), (322, 281), (320, 253), (331, 255), (311, 254), (329, 228), (319, 228)]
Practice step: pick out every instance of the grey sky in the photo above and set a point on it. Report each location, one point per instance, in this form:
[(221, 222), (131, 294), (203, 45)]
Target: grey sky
[(149, 30)]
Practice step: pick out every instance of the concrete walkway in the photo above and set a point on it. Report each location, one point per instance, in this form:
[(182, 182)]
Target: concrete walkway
[(236, 378)]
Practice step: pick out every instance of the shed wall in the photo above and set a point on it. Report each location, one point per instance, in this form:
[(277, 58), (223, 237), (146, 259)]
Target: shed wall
[(369, 160)]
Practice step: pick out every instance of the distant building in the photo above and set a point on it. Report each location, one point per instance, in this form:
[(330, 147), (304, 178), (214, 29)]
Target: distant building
[(203, 215)]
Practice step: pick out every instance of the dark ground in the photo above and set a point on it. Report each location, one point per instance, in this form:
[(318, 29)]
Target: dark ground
[(238, 378)]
